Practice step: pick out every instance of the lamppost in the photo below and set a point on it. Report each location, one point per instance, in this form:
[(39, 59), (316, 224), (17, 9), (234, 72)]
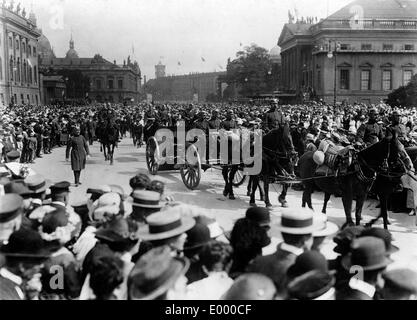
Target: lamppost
[(330, 55), (14, 69)]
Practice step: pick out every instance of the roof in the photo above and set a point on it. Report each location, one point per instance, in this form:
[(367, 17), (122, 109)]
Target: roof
[(371, 9), (294, 29), (74, 61)]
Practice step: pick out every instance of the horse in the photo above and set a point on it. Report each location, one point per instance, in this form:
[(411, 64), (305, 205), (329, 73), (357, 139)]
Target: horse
[(376, 166), (278, 159), (109, 139)]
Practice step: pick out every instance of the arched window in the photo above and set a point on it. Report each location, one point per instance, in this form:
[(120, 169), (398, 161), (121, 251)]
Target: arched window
[(11, 69), (1, 69), (35, 74)]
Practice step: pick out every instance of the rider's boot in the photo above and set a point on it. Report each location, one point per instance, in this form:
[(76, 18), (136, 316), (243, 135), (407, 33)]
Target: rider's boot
[(226, 191)]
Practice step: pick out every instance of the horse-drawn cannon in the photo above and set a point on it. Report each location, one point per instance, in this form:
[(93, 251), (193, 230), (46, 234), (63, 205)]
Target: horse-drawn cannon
[(191, 169)]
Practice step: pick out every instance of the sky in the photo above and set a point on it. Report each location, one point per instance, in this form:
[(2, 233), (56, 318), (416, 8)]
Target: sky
[(170, 31)]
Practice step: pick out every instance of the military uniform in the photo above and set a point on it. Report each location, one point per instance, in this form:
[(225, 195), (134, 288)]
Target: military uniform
[(228, 125), (274, 119), (370, 133)]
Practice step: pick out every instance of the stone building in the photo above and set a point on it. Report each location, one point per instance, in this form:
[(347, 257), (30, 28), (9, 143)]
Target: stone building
[(358, 54), (194, 87), (19, 72), (107, 81)]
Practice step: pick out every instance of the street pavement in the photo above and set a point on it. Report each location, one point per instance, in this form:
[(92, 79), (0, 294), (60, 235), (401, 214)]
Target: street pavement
[(209, 199)]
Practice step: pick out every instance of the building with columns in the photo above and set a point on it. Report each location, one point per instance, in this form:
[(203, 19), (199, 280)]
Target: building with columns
[(106, 81), (358, 54), (19, 72)]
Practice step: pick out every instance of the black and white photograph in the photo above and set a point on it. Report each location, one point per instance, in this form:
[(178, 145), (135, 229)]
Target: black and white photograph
[(208, 150)]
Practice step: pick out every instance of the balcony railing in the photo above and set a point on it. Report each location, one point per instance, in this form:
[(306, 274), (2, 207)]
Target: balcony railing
[(365, 24)]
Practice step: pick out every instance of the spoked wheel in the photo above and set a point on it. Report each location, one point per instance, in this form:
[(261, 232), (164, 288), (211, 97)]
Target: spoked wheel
[(191, 172), (239, 178), (152, 155)]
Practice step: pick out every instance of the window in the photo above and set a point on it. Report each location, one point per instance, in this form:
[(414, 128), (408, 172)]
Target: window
[(318, 79), (17, 44), (409, 47), (386, 80), (1, 69), (18, 70), (35, 74), (344, 46), (344, 79), (365, 80), (366, 46), (30, 74), (36, 96), (22, 98), (408, 74), (29, 50), (120, 83), (10, 43), (387, 47), (34, 51), (24, 47), (110, 83), (98, 84)]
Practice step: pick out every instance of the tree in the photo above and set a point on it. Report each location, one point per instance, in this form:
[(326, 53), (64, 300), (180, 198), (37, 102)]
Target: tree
[(405, 96), (251, 72)]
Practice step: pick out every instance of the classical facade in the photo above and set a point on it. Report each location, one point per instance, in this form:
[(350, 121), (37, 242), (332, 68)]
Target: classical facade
[(358, 54), (107, 81), (19, 72), (196, 87)]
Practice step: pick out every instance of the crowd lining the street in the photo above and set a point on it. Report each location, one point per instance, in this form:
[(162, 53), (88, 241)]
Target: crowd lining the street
[(142, 244)]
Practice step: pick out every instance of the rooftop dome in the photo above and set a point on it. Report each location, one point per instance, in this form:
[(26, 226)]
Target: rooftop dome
[(275, 53), (44, 48), (71, 53)]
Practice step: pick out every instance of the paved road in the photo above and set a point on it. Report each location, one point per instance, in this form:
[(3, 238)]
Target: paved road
[(209, 198)]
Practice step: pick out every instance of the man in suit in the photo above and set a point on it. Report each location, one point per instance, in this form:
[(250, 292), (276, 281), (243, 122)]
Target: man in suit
[(296, 228)]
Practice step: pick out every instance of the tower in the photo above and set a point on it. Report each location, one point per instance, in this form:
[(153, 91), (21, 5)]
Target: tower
[(159, 70)]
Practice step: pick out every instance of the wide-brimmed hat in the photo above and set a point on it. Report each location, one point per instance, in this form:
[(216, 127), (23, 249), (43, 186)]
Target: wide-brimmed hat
[(367, 252), (382, 234), (312, 285), (26, 243), (117, 231), (146, 199), (166, 224), (119, 190), (403, 280), (155, 273), (300, 221), (11, 206), (37, 183), (19, 188), (325, 227)]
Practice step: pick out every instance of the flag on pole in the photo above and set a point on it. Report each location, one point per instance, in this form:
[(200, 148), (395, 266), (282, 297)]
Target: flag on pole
[(202, 59)]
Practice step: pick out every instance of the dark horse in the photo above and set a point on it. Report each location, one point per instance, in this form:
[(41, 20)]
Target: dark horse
[(377, 166), (109, 139), (278, 160)]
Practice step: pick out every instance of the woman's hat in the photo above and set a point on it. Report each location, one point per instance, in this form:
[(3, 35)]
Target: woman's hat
[(325, 227), (117, 231), (319, 157), (146, 199), (155, 273), (26, 243), (368, 253), (166, 224), (299, 221), (312, 285)]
